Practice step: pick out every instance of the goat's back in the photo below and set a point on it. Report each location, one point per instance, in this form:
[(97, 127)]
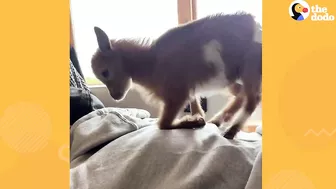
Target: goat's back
[(181, 51)]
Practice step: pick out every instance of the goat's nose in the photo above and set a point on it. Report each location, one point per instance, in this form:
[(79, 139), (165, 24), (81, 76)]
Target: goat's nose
[(117, 95)]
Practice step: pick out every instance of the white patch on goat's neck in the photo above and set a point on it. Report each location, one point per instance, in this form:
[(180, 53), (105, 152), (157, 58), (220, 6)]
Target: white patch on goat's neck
[(239, 81), (212, 55)]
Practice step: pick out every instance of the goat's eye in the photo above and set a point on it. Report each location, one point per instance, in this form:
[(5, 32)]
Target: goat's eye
[(105, 74)]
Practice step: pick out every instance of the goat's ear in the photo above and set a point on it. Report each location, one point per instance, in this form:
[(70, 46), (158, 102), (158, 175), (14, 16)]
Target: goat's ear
[(102, 39)]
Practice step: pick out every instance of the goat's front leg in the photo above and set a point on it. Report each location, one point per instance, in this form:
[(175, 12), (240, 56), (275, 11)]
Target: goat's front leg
[(196, 109), (170, 111)]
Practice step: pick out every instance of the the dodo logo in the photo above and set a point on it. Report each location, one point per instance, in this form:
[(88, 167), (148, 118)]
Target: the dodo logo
[(300, 10)]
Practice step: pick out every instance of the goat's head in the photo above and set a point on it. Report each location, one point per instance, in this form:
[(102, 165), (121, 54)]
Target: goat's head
[(107, 65)]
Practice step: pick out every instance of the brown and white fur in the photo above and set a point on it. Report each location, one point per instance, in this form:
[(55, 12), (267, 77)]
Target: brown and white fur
[(199, 58)]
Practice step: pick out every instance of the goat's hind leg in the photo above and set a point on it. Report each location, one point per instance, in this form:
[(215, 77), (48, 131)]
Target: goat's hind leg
[(251, 78), (249, 107), (229, 111)]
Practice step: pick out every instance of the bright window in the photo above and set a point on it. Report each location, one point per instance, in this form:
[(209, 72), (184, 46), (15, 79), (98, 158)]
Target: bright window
[(208, 7), (119, 18)]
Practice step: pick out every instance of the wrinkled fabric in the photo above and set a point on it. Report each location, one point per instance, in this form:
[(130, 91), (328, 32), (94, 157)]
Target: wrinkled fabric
[(116, 149)]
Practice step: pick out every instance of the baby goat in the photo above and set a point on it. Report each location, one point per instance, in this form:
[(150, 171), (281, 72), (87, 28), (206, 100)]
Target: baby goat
[(196, 59)]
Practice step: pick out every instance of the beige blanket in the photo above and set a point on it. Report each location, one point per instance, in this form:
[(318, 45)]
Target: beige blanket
[(123, 149)]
